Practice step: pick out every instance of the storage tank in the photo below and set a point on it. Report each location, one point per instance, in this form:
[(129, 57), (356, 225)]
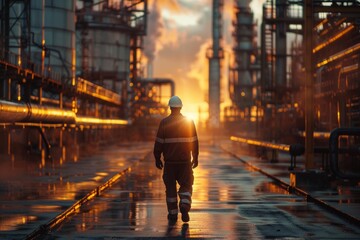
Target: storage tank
[(103, 45), (53, 27)]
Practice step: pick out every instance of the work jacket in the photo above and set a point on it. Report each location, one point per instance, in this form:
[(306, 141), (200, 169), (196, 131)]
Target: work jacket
[(176, 139)]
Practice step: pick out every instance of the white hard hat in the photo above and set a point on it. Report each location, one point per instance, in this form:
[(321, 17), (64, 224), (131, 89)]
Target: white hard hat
[(175, 102)]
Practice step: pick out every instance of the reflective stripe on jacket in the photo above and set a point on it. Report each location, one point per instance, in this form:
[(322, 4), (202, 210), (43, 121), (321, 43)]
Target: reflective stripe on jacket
[(176, 139)]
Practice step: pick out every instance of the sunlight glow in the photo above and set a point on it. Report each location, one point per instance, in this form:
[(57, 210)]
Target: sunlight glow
[(192, 115), (182, 20)]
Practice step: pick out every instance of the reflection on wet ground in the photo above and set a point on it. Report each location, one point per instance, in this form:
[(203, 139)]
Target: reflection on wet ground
[(342, 195), (229, 202), (32, 194)]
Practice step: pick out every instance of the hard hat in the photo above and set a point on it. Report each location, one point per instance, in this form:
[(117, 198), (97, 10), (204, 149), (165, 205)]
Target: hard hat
[(175, 102)]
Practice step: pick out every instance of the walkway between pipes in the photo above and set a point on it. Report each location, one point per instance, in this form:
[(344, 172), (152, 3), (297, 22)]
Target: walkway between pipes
[(230, 201)]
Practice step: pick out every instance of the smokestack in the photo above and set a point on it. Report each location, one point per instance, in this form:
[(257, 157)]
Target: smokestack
[(215, 54)]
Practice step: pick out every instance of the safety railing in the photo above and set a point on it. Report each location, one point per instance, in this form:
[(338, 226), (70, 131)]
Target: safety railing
[(83, 86), (294, 149), (15, 60), (89, 88), (330, 155), (334, 150)]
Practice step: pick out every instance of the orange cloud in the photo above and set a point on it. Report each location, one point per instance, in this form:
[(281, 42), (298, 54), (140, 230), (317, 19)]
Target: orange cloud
[(180, 48), (199, 69), (172, 5), (158, 35), (256, 7)]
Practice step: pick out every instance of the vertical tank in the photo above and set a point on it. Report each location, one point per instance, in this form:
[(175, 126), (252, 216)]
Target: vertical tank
[(53, 27), (37, 37), (103, 44), (243, 49)]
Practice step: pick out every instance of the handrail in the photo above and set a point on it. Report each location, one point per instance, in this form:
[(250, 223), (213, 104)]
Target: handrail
[(298, 149), (276, 146), (294, 149), (15, 60), (83, 86), (334, 151), (92, 89)]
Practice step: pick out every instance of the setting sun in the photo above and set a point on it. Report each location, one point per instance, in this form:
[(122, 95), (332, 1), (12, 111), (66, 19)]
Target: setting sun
[(192, 115)]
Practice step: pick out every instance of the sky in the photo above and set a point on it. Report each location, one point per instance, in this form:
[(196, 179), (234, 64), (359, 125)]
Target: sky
[(178, 35)]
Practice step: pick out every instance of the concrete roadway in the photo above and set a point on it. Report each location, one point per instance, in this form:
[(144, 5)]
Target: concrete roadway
[(230, 201)]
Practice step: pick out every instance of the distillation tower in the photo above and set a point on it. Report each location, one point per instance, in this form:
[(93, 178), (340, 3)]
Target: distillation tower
[(243, 70), (215, 55)]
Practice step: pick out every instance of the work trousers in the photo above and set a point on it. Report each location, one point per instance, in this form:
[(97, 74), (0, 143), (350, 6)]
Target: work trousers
[(183, 175)]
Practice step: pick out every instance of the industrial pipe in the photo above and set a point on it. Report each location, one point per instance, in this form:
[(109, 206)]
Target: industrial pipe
[(334, 151), (26, 112), (99, 121), (339, 55), (160, 81), (333, 39), (21, 112)]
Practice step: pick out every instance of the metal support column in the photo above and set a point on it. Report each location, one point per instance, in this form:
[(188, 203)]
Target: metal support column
[(5, 144), (309, 85), (281, 51)]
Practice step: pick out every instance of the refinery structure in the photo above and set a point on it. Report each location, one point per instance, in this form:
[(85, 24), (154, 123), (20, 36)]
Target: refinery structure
[(301, 80), (71, 73)]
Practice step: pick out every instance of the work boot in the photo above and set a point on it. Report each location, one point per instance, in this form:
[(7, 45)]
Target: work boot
[(185, 215), (172, 217)]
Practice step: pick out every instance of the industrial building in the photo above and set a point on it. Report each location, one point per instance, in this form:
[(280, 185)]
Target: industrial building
[(299, 82), (79, 76), (70, 73), (72, 81)]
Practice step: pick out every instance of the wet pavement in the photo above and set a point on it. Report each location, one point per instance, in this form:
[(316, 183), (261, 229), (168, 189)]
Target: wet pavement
[(33, 191), (230, 201), (343, 195)]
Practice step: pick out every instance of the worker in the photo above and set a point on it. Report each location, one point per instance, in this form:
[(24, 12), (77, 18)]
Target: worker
[(177, 141)]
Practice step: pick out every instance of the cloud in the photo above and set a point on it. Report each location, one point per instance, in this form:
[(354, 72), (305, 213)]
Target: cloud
[(182, 38), (154, 33), (172, 5), (256, 7), (158, 32), (181, 51), (199, 68)]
